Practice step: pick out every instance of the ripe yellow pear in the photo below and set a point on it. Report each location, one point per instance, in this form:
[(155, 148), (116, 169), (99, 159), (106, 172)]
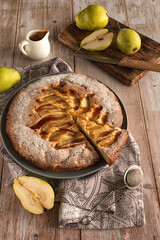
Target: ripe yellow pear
[(92, 18), (36, 195), (98, 40), (128, 41), (8, 78)]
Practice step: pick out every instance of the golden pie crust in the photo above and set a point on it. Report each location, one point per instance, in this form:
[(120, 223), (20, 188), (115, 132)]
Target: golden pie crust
[(41, 121)]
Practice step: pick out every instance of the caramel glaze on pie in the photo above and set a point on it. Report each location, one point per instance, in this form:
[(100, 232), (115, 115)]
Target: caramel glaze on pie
[(41, 121)]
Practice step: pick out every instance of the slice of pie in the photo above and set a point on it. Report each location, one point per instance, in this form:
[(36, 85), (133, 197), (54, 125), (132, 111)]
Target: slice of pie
[(107, 140), (41, 121)]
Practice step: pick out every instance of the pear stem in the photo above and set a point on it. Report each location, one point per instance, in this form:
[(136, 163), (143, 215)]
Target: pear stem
[(118, 26), (77, 50), (69, 23)]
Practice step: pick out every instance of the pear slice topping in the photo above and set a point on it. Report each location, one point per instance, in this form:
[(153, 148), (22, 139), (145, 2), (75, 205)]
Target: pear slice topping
[(36, 195), (97, 41)]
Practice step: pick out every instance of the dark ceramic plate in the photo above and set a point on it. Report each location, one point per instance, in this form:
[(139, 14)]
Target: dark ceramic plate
[(33, 169)]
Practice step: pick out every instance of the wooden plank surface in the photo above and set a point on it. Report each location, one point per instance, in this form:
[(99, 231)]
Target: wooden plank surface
[(8, 11), (72, 36), (8, 28), (150, 87), (132, 99), (20, 224), (142, 104)]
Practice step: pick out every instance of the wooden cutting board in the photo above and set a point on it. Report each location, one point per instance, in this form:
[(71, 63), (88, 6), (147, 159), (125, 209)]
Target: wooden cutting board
[(71, 36)]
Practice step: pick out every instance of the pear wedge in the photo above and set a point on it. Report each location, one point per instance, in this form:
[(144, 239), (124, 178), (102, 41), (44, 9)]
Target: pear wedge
[(36, 195), (97, 41)]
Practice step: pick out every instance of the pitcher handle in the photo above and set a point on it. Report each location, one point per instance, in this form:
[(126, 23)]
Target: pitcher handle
[(22, 45)]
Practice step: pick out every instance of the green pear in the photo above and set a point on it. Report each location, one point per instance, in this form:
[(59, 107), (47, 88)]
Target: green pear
[(92, 18), (98, 40), (128, 41), (8, 78), (36, 195)]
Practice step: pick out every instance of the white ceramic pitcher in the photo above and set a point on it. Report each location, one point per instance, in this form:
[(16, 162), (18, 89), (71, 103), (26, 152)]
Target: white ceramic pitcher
[(36, 45)]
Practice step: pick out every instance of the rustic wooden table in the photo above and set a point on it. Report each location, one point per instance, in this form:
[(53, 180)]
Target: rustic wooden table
[(142, 103)]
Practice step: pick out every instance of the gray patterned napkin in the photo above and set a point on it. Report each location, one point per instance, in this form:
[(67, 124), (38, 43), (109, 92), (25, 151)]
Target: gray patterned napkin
[(80, 196)]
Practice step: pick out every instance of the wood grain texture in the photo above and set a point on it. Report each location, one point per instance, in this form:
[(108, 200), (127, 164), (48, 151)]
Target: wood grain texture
[(137, 64), (8, 11), (132, 100), (8, 27), (150, 87), (17, 222), (142, 103), (72, 36)]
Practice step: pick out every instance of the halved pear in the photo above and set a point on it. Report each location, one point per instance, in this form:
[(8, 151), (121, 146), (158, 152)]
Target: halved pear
[(36, 195), (97, 41)]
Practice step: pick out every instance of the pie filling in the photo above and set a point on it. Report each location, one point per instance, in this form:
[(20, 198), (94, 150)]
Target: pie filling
[(63, 114), (100, 136)]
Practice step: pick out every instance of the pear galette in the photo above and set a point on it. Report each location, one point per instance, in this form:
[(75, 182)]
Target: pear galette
[(49, 122)]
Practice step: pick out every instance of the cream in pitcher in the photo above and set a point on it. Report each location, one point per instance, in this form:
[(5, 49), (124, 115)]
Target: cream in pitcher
[(36, 45)]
